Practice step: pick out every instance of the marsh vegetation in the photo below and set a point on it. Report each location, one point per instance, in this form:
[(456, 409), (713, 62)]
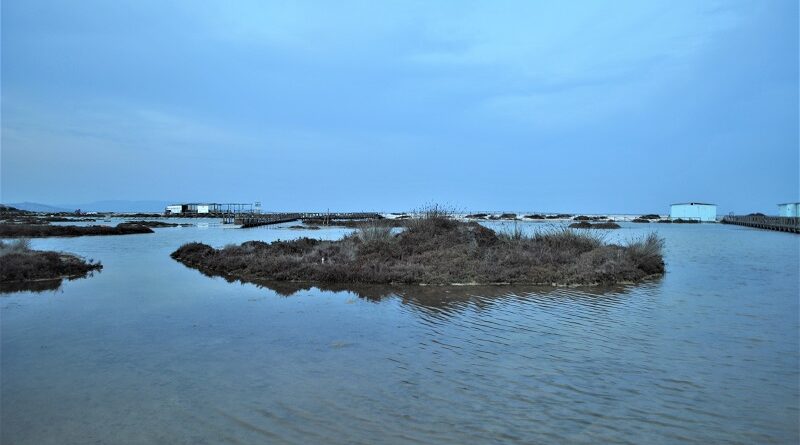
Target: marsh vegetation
[(436, 249), (597, 225), (22, 268), (45, 230)]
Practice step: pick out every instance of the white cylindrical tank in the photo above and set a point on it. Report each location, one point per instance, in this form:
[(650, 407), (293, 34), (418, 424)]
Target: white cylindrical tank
[(789, 209)]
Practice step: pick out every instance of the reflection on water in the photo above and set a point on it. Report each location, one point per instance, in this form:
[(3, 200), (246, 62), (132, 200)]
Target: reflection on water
[(38, 285), (30, 286), (150, 351), (444, 297)]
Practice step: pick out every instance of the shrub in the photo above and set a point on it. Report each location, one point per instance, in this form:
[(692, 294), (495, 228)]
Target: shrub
[(647, 254), (515, 234), (375, 233), (561, 237), (20, 245), (431, 217), (435, 211), (21, 264)]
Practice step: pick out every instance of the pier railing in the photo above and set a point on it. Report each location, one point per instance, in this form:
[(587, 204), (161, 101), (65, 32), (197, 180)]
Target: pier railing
[(779, 223)]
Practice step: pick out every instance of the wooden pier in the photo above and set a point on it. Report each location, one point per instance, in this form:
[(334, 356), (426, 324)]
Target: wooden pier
[(779, 223), (248, 220)]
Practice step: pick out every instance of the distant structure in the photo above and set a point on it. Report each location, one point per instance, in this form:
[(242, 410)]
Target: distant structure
[(694, 210), (789, 209), (196, 208)]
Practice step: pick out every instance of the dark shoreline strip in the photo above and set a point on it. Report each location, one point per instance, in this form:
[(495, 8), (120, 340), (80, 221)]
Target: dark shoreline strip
[(43, 231)]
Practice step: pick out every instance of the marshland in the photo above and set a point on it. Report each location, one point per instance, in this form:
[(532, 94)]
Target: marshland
[(22, 268), (436, 248), (208, 233), (151, 349)]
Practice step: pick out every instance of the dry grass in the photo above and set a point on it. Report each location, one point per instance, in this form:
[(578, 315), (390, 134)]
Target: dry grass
[(375, 233), (435, 249), (21, 245), (18, 263), (647, 253)]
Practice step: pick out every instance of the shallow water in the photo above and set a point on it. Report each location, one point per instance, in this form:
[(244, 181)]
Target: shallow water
[(149, 351)]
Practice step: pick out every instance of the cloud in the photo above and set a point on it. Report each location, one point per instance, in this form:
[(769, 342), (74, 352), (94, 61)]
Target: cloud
[(563, 64), (422, 94)]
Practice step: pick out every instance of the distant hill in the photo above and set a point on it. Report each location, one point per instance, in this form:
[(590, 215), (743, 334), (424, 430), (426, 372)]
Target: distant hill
[(37, 207), (97, 206), (121, 206)]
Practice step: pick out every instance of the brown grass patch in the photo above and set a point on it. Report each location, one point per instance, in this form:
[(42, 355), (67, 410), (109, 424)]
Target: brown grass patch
[(435, 249)]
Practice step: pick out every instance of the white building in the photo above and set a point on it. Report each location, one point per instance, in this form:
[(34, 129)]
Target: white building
[(195, 208), (694, 210), (789, 209)]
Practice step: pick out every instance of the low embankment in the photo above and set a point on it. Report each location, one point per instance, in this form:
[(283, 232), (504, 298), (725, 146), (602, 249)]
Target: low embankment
[(159, 224), (42, 231), (599, 225), (22, 268), (438, 250)]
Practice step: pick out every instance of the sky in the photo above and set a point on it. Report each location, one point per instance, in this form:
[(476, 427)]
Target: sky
[(582, 106)]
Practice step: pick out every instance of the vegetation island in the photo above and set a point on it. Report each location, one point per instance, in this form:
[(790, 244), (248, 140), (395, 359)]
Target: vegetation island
[(435, 249), (22, 268), (15, 223), (46, 230)]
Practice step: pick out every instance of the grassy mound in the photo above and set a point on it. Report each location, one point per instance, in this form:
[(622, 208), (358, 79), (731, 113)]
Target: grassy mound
[(600, 225), (19, 266), (434, 250), (41, 231)]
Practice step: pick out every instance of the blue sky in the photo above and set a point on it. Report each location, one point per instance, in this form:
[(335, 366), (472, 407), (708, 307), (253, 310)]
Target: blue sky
[(551, 106)]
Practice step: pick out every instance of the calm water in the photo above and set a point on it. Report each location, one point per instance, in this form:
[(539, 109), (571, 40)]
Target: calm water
[(149, 351)]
